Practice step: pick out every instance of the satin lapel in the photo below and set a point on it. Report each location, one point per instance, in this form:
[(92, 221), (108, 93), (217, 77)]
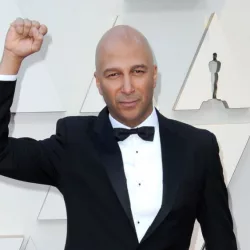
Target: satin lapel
[(172, 162), (111, 158)]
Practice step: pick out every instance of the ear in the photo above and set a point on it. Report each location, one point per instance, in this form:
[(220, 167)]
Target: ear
[(155, 74), (98, 83)]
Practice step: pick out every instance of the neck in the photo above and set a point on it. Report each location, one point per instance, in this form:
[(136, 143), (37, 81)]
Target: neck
[(137, 121)]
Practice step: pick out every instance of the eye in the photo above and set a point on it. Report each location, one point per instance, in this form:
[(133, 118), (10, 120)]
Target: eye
[(137, 71), (113, 75)]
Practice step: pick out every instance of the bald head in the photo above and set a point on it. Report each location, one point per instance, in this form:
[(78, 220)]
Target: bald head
[(121, 35)]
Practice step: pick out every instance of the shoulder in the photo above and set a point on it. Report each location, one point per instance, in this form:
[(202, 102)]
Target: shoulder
[(75, 127), (77, 121), (191, 134)]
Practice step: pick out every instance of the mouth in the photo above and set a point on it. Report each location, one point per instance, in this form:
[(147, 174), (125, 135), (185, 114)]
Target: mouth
[(129, 104)]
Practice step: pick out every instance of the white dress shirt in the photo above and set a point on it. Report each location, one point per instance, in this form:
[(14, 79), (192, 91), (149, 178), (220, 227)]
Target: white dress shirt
[(143, 170)]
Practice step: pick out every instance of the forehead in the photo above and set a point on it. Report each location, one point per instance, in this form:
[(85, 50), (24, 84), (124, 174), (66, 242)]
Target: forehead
[(120, 54)]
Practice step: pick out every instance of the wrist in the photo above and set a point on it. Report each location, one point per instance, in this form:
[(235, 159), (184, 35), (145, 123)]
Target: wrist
[(10, 63)]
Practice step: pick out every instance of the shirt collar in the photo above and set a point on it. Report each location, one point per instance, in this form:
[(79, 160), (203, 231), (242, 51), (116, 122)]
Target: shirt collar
[(152, 120)]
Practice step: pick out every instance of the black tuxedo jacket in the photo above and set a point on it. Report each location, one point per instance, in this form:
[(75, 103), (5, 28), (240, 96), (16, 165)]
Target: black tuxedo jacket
[(83, 160)]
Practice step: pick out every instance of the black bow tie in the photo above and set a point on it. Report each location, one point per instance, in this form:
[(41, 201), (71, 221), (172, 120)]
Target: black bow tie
[(146, 133)]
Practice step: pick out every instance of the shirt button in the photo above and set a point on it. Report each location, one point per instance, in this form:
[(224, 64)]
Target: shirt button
[(138, 222), (139, 184), (137, 152)]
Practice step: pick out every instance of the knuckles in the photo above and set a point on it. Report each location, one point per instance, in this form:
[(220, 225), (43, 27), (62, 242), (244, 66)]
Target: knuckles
[(26, 25)]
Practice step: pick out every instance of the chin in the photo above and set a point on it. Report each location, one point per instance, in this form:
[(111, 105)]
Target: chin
[(130, 112)]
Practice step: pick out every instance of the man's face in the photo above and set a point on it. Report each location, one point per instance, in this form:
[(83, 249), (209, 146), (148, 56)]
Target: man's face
[(126, 78)]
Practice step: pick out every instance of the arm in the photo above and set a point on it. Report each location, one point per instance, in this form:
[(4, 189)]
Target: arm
[(27, 159), (213, 212)]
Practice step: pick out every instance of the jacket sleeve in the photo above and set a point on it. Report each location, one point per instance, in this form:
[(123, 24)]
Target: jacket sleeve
[(213, 212), (27, 159)]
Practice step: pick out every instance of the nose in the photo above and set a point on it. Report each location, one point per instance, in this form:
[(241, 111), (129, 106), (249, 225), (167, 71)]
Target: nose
[(127, 87)]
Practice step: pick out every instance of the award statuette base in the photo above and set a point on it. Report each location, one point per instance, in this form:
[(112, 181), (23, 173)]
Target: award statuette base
[(214, 104)]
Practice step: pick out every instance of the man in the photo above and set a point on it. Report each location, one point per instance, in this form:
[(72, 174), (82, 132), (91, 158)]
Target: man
[(131, 178)]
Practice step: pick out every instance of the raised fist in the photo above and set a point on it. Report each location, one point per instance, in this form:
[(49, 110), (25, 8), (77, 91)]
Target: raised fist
[(24, 37)]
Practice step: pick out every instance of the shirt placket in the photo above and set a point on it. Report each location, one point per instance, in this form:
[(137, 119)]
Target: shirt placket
[(138, 184)]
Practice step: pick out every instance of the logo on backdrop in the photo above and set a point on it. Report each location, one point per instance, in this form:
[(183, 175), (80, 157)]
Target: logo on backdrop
[(214, 67)]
